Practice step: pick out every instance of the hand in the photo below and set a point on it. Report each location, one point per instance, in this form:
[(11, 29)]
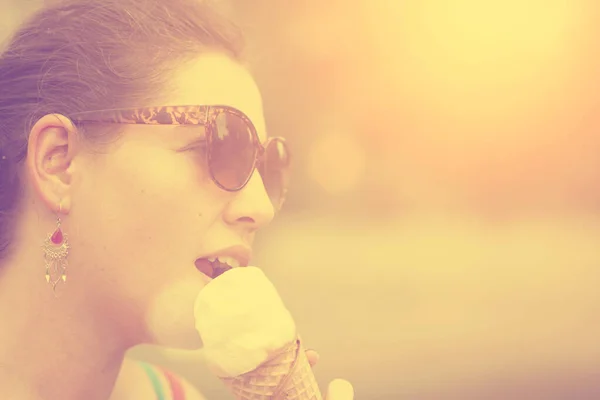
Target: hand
[(338, 389)]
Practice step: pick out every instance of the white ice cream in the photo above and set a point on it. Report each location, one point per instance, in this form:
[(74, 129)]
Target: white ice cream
[(242, 321)]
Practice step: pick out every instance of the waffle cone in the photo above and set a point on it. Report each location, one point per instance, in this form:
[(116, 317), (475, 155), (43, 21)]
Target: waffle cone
[(287, 376)]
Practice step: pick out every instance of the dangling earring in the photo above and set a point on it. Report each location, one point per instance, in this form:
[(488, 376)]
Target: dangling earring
[(56, 250)]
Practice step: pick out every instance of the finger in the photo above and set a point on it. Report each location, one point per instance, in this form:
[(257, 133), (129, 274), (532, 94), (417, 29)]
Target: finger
[(340, 389), (312, 356)]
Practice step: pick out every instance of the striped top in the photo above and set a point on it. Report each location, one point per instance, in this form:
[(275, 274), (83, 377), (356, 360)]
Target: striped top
[(175, 387)]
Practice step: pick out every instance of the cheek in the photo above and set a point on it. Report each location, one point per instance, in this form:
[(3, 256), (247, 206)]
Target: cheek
[(147, 219), (158, 198)]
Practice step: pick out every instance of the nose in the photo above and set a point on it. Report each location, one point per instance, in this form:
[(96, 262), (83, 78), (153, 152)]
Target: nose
[(251, 206)]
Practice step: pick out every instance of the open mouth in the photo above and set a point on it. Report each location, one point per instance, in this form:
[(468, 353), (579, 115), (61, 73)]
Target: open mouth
[(212, 269), (223, 260)]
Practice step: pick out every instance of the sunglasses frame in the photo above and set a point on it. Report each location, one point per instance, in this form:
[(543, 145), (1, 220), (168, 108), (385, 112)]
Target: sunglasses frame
[(186, 115)]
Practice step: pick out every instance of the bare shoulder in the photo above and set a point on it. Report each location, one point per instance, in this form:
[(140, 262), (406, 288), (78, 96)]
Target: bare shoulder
[(134, 383)]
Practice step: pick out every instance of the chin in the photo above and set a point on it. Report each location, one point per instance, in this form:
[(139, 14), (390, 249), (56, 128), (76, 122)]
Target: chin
[(184, 340), (170, 316)]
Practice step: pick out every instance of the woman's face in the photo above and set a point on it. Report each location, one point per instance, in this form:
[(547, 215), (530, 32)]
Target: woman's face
[(144, 212)]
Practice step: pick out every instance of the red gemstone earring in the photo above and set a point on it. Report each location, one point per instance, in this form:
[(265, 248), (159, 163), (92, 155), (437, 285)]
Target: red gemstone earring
[(56, 250)]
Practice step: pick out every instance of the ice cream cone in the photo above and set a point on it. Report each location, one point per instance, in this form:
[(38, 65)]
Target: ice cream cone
[(287, 375)]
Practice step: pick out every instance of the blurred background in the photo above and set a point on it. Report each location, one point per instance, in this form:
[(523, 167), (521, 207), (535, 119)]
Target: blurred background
[(442, 235)]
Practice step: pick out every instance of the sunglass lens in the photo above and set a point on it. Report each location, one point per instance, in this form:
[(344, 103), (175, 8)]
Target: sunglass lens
[(274, 170), (232, 151)]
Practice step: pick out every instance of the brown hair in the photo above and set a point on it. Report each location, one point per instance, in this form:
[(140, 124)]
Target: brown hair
[(83, 55)]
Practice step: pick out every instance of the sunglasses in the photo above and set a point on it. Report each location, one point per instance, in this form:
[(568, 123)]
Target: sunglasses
[(233, 149)]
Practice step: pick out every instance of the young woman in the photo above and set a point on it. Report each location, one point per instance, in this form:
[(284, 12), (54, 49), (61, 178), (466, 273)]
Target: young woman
[(133, 149)]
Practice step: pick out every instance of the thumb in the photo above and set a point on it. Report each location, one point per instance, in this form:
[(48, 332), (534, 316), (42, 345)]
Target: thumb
[(340, 389)]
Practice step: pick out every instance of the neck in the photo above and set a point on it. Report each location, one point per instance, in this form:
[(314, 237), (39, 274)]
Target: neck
[(53, 348)]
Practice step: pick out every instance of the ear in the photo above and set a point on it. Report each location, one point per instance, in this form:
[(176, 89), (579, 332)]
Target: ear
[(53, 143)]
